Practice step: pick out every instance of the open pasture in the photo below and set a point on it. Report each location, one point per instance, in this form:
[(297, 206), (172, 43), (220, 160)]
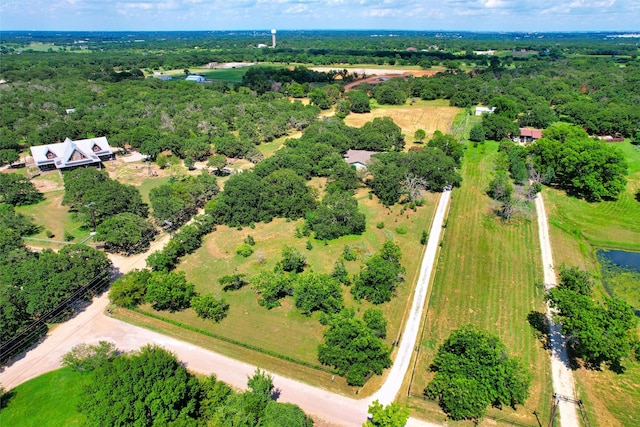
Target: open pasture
[(489, 275), (427, 115)]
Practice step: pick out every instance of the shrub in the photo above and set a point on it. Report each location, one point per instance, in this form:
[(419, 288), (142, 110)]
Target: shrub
[(349, 254), (68, 237), (244, 250), (49, 234), (209, 307), (380, 225), (401, 230)]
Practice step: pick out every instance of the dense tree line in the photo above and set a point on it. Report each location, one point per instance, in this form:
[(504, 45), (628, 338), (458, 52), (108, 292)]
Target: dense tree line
[(585, 167), (34, 283), (539, 92), (597, 332), (17, 190), (427, 168), (95, 197), (151, 387)]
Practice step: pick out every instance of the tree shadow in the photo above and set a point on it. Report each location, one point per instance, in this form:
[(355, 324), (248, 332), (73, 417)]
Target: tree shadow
[(539, 322), (6, 397), (638, 196), (275, 394)]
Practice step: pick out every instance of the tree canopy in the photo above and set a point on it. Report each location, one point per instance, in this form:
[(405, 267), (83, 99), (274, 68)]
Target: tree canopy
[(352, 348), (597, 332), (473, 371)]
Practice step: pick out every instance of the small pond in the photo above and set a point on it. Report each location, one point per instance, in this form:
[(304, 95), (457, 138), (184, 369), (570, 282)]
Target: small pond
[(624, 259)]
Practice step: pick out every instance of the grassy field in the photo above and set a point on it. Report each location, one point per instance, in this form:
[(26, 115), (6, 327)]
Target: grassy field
[(284, 330), (49, 400), (578, 229), (427, 115), (488, 274), (609, 224), (53, 217)]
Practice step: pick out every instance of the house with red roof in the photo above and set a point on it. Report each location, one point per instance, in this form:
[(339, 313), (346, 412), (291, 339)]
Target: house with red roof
[(528, 135)]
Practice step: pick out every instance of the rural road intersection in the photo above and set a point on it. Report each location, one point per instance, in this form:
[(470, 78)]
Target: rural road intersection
[(92, 325)]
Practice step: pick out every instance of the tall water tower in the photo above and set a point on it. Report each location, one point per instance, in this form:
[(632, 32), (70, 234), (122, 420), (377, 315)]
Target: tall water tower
[(273, 38)]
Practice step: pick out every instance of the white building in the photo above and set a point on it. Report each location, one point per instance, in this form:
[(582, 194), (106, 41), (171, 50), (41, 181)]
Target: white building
[(72, 154)]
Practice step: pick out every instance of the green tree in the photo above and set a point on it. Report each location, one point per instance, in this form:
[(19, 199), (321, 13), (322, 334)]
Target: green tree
[(17, 190), (448, 144), (125, 232), (168, 291), (352, 348), (86, 358), (292, 260), (359, 101), (498, 127), (315, 291), (21, 224), (598, 332), (419, 135), (209, 307), (392, 415), (376, 321), (380, 276), (477, 133), (473, 371), (217, 161), (130, 289), (337, 215), (147, 388), (500, 188), (272, 287)]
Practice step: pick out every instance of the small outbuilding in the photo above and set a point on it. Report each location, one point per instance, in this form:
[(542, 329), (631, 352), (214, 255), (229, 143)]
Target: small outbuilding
[(195, 78)]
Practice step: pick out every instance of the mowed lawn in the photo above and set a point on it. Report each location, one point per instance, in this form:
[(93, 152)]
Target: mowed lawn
[(48, 400), (489, 275), (577, 229)]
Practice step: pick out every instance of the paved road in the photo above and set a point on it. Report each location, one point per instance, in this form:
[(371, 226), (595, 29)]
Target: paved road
[(563, 383)]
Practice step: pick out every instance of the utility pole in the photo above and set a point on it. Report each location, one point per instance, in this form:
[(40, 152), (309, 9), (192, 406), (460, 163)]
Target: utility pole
[(93, 214)]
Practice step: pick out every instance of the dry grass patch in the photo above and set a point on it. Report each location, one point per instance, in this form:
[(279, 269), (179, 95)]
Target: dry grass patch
[(427, 115)]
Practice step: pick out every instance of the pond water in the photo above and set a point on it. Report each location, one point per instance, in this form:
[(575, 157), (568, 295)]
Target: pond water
[(622, 258)]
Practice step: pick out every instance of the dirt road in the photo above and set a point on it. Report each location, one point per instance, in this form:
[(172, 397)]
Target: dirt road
[(92, 325), (563, 383), (387, 393)]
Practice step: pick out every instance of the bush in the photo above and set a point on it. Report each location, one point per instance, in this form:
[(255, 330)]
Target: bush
[(244, 250), (49, 234), (129, 290), (401, 230), (380, 225), (292, 260), (209, 307), (349, 254), (68, 237)]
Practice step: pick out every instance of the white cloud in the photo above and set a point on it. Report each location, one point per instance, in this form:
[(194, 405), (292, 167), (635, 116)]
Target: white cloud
[(497, 15)]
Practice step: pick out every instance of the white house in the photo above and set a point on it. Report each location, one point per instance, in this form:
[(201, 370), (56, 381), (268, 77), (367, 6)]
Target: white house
[(358, 158), (481, 110), (72, 154)]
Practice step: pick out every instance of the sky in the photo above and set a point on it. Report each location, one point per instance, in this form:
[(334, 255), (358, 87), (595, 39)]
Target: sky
[(224, 15)]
